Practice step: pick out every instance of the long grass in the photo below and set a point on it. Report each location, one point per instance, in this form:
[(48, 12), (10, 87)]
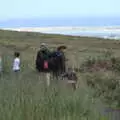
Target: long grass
[(26, 99), (25, 96)]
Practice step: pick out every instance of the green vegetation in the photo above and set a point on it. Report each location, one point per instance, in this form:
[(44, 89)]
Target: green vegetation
[(103, 74), (25, 96)]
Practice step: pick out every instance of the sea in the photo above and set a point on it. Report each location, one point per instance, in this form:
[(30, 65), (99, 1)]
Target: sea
[(102, 27)]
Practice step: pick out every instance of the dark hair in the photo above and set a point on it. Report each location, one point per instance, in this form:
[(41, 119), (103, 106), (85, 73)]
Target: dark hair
[(61, 47), (16, 54)]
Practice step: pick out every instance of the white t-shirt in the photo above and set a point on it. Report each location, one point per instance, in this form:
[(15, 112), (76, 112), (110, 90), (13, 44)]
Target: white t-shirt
[(16, 64)]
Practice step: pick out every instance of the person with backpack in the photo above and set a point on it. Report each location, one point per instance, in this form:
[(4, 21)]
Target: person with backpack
[(61, 58), (58, 57), (42, 58)]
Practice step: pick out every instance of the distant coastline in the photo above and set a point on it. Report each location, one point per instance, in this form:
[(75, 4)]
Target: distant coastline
[(107, 32)]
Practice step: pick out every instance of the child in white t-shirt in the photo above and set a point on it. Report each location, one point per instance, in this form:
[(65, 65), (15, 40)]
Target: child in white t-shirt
[(16, 62)]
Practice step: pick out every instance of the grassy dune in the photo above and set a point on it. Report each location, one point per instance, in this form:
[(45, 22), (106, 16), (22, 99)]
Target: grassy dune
[(25, 96)]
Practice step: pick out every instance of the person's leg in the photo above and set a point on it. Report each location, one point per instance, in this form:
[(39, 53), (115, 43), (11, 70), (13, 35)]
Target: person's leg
[(48, 79), (16, 74), (74, 86)]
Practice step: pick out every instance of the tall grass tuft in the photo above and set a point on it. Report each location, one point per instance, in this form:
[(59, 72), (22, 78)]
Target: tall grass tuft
[(102, 73), (24, 97)]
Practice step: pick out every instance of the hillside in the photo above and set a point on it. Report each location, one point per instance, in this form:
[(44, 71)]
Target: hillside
[(23, 97), (29, 43)]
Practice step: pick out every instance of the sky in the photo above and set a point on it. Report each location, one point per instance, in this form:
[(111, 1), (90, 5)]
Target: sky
[(22, 9)]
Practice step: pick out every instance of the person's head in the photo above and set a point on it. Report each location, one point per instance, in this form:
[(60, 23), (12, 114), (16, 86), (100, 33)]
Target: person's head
[(43, 46), (16, 54), (61, 48)]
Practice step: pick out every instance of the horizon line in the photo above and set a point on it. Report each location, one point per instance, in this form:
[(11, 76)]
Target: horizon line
[(58, 17)]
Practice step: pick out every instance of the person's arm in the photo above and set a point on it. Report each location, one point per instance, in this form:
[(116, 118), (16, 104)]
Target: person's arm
[(37, 55)]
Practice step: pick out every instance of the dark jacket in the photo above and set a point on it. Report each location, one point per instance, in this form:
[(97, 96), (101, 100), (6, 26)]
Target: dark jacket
[(60, 61), (42, 54)]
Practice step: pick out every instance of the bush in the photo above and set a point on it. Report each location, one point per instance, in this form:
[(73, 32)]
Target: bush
[(102, 74), (104, 62)]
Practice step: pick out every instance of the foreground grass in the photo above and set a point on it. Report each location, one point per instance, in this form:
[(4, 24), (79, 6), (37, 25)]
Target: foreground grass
[(24, 97)]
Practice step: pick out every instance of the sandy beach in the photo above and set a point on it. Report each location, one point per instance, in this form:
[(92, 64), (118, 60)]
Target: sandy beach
[(44, 29), (104, 32)]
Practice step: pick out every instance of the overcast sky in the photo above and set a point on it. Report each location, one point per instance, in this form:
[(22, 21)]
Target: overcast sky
[(14, 9)]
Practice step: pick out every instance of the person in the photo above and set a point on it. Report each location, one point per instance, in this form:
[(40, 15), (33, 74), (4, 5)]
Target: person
[(61, 58), (16, 62), (57, 61), (71, 77), (42, 58)]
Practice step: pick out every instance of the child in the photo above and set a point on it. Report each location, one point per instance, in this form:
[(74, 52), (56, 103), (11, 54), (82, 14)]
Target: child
[(16, 62), (71, 77)]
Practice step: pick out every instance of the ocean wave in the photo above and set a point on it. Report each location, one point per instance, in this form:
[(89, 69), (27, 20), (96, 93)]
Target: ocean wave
[(104, 32)]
